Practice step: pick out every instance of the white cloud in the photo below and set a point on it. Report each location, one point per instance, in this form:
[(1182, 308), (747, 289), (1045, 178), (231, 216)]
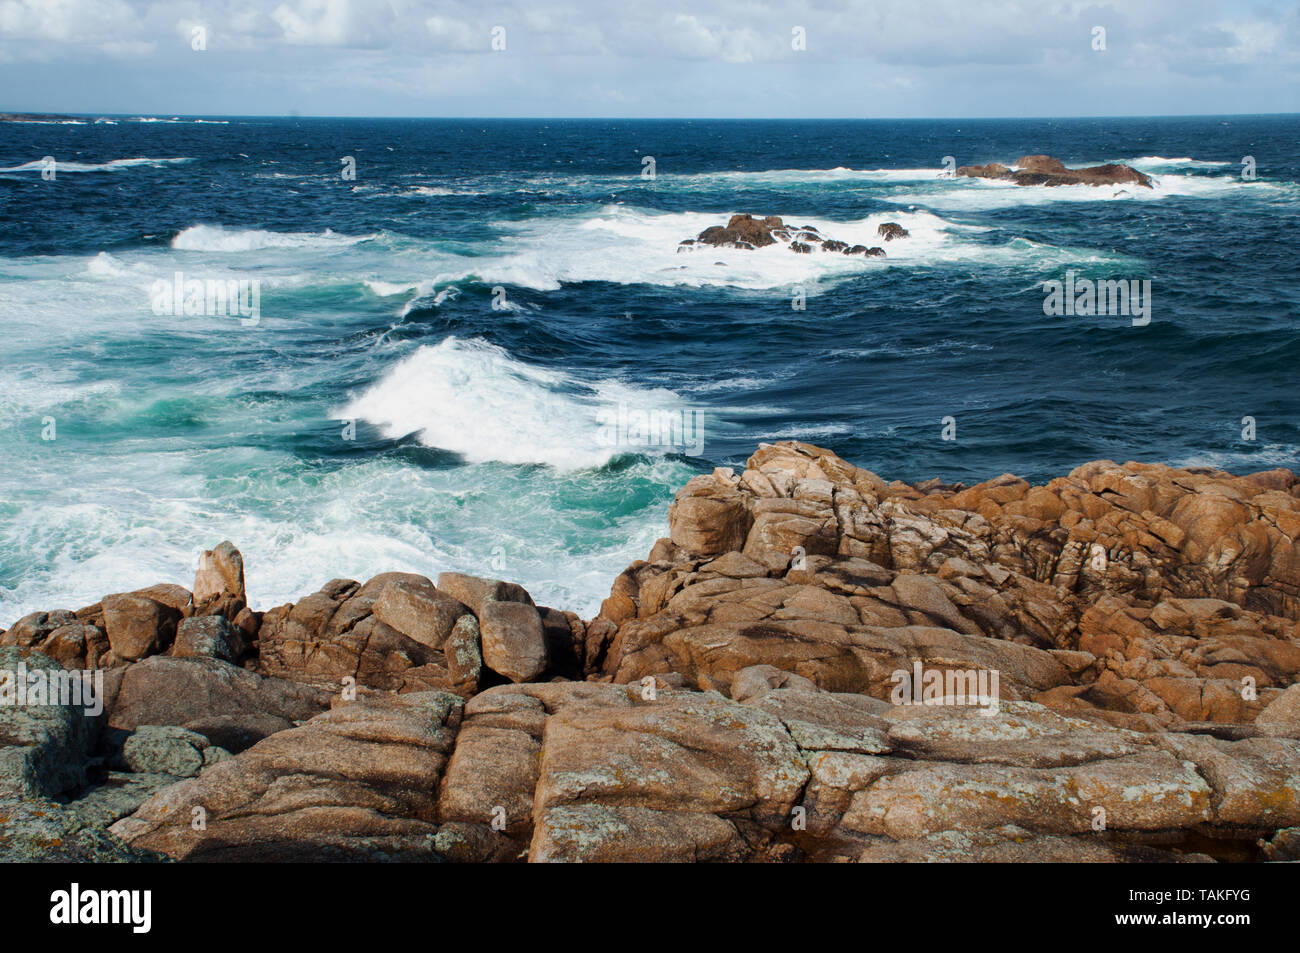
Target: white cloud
[(934, 57), (66, 21)]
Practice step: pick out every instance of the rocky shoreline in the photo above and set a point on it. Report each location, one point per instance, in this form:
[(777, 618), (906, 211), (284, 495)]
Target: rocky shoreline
[(758, 689)]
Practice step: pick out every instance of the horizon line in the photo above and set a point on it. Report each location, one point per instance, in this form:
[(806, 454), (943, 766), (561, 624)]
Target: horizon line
[(155, 115)]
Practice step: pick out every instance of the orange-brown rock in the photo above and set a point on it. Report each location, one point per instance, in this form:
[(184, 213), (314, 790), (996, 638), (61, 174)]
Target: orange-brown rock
[(1046, 170), (815, 664), (1152, 594)]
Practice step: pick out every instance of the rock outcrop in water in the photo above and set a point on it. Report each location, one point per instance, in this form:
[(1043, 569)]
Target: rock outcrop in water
[(815, 664), (745, 231), (1045, 170)]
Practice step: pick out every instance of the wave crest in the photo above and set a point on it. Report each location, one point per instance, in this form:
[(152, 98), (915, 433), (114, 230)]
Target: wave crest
[(472, 398), (112, 165), (218, 238)]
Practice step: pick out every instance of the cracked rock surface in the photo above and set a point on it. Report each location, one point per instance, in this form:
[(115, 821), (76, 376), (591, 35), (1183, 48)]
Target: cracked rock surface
[(754, 690)]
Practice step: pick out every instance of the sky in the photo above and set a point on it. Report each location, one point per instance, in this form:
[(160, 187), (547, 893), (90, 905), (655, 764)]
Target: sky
[(650, 58)]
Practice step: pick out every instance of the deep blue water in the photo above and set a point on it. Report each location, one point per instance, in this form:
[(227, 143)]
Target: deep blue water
[(478, 442)]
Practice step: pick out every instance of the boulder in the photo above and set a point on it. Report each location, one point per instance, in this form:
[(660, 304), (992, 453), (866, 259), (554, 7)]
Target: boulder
[(337, 634), (1282, 715), (43, 746), (757, 680), (709, 517), (138, 626), (677, 778), (357, 783), (208, 636), (514, 643), (865, 251), (220, 573), (418, 610), (232, 707), (993, 170), (36, 831), (474, 592), (76, 646), (32, 629), (464, 653), (1040, 163), (754, 233), (178, 752)]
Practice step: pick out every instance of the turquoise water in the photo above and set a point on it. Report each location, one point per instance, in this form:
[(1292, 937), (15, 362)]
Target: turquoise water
[(443, 341)]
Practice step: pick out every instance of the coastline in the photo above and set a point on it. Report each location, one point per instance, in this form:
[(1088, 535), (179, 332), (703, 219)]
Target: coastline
[(1140, 623)]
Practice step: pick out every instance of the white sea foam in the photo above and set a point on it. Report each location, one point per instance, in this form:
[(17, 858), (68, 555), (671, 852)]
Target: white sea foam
[(968, 194), (1266, 457), (35, 391), (808, 432), (105, 265), (176, 119), (733, 384), (113, 165), (431, 292), (128, 521), (619, 244), (389, 289), (216, 238), (778, 177), (1144, 162), (472, 398), (433, 191), (628, 245)]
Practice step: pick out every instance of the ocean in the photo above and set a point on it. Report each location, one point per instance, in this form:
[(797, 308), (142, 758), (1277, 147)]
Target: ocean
[(484, 353)]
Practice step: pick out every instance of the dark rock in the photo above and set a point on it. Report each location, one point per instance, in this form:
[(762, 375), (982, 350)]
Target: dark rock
[(167, 749), (1049, 171), (43, 747), (210, 636), (745, 229)]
